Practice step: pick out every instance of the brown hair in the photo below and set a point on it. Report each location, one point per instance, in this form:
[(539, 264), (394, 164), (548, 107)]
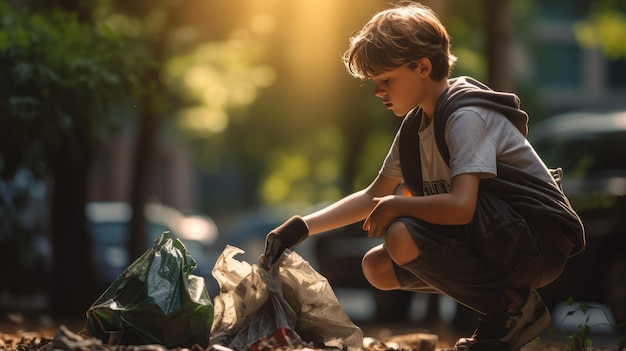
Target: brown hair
[(398, 36)]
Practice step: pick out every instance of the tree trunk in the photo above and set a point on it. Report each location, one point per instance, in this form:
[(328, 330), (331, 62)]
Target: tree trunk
[(354, 131), (143, 160), (72, 288), (499, 32), (148, 127)]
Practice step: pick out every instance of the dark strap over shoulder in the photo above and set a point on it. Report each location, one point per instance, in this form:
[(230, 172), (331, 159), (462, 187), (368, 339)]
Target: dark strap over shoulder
[(410, 161)]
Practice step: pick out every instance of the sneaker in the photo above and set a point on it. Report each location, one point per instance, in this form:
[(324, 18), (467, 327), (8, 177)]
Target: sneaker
[(508, 330)]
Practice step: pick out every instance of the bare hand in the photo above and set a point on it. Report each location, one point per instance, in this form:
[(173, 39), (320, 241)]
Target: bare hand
[(384, 212)]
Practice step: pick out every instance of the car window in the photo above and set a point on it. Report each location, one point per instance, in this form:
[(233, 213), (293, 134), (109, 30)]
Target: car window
[(109, 233), (155, 230), (116, 233), (586, 155)]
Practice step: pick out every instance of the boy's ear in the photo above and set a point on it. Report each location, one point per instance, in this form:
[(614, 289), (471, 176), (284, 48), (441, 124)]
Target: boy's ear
[(424, 67)]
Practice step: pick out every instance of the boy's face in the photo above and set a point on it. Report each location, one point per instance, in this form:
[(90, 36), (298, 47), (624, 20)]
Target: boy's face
[(401, 89)]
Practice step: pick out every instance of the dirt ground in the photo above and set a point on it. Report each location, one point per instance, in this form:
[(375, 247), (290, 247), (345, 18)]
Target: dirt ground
[(19, 334)]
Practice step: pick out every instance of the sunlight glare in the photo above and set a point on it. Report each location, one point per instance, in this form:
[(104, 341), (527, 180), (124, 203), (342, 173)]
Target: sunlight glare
[(198, 77), (243, 94), (263, 76), (202, 120), (262, 24), (198, 228), (213, 94)]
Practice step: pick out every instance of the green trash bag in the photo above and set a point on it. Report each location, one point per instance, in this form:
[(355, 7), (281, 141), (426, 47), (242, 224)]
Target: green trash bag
[(154, 301)]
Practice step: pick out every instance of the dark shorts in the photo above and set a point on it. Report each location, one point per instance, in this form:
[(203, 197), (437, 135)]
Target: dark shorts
[(453, 262)]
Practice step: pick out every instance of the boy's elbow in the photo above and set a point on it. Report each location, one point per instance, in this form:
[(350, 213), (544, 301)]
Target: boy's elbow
[(464, 219), (465, 214)]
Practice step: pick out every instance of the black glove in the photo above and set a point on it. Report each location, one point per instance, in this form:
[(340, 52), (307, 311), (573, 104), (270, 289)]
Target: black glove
[(287, 235)]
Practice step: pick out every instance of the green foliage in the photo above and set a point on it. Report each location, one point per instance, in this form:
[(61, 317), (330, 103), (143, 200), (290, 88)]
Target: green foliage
[(580, 339), (58, 76), (464, 24), (213, 79), (308, 173), (605, 28)]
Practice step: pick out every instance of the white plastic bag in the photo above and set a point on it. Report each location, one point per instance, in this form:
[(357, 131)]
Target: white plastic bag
[(254, 302)]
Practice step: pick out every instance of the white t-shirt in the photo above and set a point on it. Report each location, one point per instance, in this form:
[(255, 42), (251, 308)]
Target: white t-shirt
[(477, 138)]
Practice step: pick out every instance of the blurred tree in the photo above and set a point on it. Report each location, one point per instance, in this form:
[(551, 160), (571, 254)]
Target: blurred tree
[(58, 75), (326, 117), (199, 73), (499, 32), (146, 23), (318, 134), (467, 23), (216, 82), (604, 28), (485, 53), (305, 138)]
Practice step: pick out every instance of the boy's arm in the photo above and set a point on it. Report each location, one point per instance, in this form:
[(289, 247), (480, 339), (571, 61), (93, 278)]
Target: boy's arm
[(454, 208), (352, 208)]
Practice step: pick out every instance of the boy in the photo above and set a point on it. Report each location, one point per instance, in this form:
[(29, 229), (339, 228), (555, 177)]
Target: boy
[(487, 223)]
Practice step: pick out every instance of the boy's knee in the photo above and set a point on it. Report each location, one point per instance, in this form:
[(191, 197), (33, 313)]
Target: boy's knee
[(378, 269), (400, 244)]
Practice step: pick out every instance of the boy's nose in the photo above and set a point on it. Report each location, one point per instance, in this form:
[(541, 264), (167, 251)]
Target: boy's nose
[(378, 92)]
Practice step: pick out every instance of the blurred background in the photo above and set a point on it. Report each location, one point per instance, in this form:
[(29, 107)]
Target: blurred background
[(218, 120)]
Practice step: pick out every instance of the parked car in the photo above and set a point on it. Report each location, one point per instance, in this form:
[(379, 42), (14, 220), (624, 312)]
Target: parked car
[(109, 228), (590, 146)]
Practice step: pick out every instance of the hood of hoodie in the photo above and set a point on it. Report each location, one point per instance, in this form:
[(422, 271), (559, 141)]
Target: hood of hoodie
[(467, 91)]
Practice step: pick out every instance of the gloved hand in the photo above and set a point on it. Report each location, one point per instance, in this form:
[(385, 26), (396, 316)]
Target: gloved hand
[(287, 235)]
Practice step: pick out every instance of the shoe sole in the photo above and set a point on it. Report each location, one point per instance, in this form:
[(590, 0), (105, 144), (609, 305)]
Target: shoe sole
[(533, 331)]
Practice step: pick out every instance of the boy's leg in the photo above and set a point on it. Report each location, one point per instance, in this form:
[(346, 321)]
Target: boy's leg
[(438, 260), (378, 269), (383, 274), (512, 317), (381, 263), (448, 264)]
